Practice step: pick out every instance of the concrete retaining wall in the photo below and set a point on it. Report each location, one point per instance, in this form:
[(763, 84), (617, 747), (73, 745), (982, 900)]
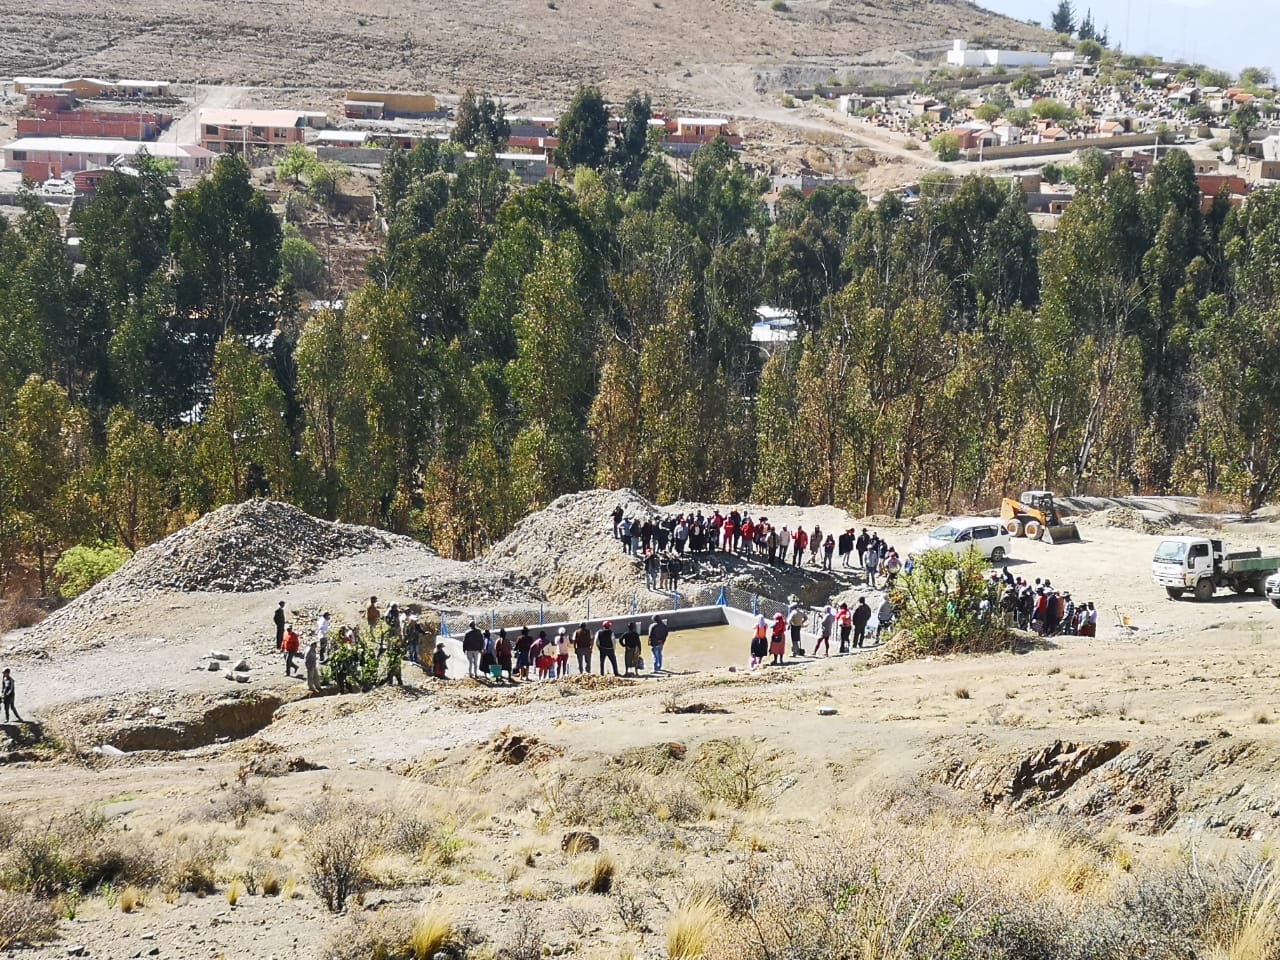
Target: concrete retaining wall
[(1062, 146)]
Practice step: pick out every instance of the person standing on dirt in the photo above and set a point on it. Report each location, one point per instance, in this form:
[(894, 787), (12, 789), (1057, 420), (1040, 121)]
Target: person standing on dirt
[(473, 646), (524, 653), (631, 651), (778, 641), (278, 617), (582, 647), (291, 645), (604, 643), (884, 617), (845, 621), (862, 543), (322, 635), (796, 618), (871, 563), (6, 690), (413, 638), (617, 521), (312, 662), (828, 548), (439, 663), (651, 567), (861, 617), (844, 547), (675, 567), (658, 633), (502, 652), (824, 632), (562, 653), (372, 614), (393, 619)]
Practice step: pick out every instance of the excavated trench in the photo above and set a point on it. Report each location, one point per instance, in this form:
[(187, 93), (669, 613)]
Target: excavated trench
[(223, 722)]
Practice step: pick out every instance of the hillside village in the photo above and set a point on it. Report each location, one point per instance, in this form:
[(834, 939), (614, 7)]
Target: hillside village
[(1016, 113)]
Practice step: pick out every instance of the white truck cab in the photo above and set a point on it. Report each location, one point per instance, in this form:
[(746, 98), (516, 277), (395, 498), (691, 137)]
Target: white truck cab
[(1200, 565)]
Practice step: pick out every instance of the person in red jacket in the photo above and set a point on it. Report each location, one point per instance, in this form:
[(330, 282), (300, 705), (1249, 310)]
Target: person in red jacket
[(778, 640), (748, 536), (290, 645), (729, 529), (799, 540)]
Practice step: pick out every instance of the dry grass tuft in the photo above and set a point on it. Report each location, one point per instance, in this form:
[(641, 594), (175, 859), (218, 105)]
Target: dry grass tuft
[(130, 899), (694, 928), (600, 875), (1253, 931), (961, 693), (433, 931)]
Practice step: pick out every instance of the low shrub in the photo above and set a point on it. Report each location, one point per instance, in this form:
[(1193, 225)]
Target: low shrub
[(735, 771), (940, 606), (338, 850), (25, 921), (191, 867)]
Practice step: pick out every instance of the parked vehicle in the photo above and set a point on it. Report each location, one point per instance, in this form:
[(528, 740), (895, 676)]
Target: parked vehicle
[(985, 535), (1272, 588), (1201, 565)]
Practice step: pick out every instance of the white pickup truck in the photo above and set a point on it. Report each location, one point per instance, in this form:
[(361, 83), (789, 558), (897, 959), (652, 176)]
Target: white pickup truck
[(1273, 589), (1201, 565)]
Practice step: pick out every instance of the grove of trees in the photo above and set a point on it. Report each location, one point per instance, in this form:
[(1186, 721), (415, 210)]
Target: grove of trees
[(512, 344)]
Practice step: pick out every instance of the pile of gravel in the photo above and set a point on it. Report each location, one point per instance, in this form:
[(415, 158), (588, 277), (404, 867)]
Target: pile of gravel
[(568, 549), (245, 547)]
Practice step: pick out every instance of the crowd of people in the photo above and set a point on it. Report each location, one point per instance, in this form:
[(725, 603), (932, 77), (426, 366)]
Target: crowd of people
[(358, 656), (666, 544), (1040, 607), (374, 652)]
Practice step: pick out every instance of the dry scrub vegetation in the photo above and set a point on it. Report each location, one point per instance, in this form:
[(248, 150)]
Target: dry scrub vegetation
[(663, 851)]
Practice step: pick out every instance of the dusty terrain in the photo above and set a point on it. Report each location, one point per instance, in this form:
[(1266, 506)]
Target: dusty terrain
[(696, 51), (1154, 737)]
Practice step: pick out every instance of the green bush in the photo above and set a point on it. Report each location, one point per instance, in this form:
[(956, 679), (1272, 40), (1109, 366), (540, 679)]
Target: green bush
[(946, 146), (940, 610), (82, 566), (300, 262), (779, 6)]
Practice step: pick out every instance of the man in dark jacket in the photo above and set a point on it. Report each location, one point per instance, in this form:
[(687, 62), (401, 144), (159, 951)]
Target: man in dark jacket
[(604, 643), (631, 651), (861, 615), (861, 544), (472, 647), (657, 640), (278, 617), (582, 647), (844, 546)]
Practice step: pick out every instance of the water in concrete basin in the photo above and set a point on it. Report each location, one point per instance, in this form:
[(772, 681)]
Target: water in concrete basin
[(705, 648)]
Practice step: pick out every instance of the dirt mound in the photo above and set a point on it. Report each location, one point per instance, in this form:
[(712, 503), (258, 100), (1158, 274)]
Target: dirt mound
[(1127, 518), (245, 547), (569, 550)]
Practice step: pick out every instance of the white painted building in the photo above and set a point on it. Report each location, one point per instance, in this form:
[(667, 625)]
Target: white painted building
[(961, 56)]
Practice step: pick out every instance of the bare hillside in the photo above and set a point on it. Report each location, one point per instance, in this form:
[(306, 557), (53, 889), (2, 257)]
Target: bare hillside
[(704, 51)]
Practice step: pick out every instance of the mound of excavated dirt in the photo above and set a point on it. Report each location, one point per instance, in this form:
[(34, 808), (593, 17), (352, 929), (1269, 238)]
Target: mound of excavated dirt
[(246, 547), (569, 549)]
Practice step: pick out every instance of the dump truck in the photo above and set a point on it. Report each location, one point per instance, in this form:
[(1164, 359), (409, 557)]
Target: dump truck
[(1201, 565), (1035, 515)]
